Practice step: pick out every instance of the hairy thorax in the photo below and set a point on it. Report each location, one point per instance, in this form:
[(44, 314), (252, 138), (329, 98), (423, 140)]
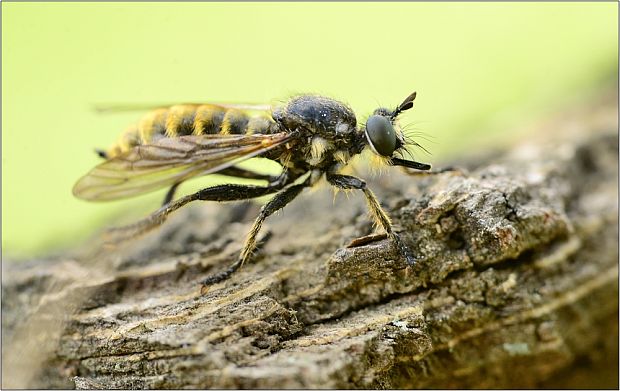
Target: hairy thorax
[(328, 131)]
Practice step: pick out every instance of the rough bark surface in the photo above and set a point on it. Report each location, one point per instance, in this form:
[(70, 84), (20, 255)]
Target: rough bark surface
[(516, 286)]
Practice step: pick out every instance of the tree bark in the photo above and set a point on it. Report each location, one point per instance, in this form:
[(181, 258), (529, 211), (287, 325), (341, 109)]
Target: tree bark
[(516, 285)]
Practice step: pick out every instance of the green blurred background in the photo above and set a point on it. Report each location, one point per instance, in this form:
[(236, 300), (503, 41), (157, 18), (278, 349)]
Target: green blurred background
[(480, 69)]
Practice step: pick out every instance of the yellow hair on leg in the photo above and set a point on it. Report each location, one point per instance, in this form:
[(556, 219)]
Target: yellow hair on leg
[(376, 212), (335, 190)]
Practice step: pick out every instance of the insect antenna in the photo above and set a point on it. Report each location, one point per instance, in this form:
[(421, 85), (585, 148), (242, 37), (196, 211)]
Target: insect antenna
[(406, 105)]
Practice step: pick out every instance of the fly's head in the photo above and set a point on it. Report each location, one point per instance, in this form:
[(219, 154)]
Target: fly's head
[(387, 141)]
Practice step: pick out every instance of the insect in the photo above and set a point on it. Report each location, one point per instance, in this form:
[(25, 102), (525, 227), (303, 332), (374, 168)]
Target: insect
[(310, 136)]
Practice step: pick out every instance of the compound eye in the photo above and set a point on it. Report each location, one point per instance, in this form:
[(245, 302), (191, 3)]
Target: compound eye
[(381, 135)]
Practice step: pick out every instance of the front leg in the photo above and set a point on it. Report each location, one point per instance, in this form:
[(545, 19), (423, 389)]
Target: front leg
[(378, 215), (422, 168)]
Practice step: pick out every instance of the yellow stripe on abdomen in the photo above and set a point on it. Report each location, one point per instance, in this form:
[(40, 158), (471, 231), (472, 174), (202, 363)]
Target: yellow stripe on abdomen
[(234, 122), (258, 125), (208, 119), (154, 123), (189, 119), (180, 120), (126, 141)]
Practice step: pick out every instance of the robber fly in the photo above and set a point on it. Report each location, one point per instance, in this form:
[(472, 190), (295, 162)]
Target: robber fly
[(310, 136)]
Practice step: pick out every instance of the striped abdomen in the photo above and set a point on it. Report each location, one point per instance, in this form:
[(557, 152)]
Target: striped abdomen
[(182, 120)]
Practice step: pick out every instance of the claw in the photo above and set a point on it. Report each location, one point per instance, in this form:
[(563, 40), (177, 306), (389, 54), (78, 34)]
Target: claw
[(411, 260), (404, 250)]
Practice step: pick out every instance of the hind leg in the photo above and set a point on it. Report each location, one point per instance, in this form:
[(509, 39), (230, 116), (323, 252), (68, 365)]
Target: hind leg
[(228, 192), (230, 171)]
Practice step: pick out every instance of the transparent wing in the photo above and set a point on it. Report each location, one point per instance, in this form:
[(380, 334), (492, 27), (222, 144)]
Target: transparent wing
[(123, 107), (168, 161)]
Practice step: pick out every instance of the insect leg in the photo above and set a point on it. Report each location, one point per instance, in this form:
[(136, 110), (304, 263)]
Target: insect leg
[(410, 164), (243, 173), (278, 202), (454, 170), (228, 192), (380, 217), (230, 171), (423, 168), (170, 194)]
